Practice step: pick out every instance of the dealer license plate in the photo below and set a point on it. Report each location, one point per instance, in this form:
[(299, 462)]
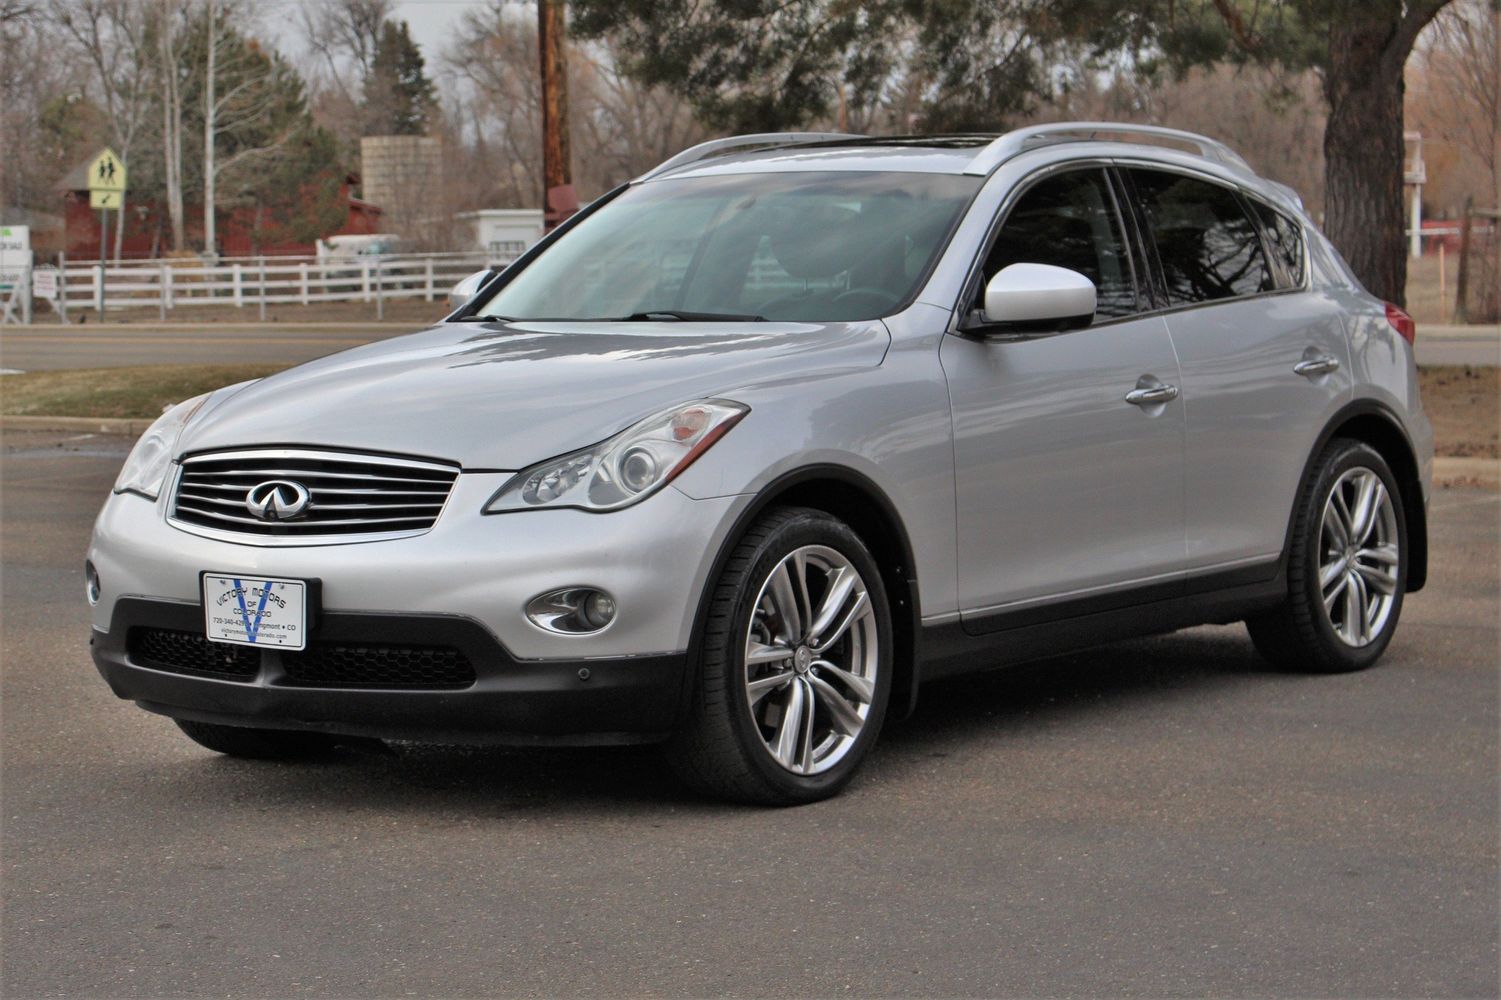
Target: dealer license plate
[(255, 611)]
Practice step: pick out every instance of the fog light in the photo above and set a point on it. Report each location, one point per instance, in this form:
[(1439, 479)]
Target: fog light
[(91, 581), (572, 611)]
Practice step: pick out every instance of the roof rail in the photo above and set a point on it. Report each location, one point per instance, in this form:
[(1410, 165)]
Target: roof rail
[(716, 147), (1020, 140)]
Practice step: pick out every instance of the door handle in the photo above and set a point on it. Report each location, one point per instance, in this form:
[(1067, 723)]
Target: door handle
[(1152, 395), (1313, 367)]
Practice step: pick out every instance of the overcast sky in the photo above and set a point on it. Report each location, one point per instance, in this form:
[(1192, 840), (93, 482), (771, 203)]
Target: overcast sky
[(433, 22)]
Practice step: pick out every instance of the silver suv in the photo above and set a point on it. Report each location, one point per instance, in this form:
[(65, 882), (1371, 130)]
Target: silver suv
[(756, 445)]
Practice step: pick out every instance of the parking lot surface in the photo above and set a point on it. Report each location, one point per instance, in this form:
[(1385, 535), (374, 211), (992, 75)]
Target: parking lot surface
[(1163, 816)]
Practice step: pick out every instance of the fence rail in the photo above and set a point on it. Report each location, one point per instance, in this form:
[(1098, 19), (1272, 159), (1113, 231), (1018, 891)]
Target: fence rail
[(168, 284)]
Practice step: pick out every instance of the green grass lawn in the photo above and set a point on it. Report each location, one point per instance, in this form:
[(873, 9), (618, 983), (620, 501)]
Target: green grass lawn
[(116, 392)]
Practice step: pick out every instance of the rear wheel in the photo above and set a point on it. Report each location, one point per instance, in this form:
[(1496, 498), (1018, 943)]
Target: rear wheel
[(1347, 571), (796, 665), (263, 744)]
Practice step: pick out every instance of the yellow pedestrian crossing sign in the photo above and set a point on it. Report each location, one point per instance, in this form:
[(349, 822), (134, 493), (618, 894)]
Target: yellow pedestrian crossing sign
[(106, 173), (106, 199)]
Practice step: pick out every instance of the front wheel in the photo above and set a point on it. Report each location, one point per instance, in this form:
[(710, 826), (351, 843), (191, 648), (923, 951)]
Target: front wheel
[(1347, 570), (796, 665)]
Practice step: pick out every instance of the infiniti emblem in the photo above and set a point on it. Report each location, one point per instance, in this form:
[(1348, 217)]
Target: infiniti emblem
[(277, 500)]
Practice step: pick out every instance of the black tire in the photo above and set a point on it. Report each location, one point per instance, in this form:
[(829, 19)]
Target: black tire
[(720, 751), (1300, 635), (260, 744)]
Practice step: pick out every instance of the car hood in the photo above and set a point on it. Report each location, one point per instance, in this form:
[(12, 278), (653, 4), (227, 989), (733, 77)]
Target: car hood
[(507, 396)]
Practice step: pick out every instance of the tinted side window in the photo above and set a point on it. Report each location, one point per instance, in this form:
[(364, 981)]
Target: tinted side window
[(1286, 238), (1208, 246), (1069, 221)]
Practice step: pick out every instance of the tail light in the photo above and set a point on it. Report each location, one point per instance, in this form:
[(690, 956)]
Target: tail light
[(1402, 323)]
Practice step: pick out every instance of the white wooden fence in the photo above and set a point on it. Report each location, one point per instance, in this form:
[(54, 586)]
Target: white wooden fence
[(167, 284)]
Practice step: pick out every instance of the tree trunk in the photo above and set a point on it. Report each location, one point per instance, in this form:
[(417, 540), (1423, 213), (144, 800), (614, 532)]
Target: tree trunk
[(171, 126), (1363, 149), (210, 235)]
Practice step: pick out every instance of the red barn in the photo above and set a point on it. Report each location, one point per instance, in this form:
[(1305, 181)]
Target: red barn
[(147, 231)]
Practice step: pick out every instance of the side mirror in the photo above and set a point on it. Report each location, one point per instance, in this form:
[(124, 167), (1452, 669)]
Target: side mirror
[(464, 290), (1038, 299)]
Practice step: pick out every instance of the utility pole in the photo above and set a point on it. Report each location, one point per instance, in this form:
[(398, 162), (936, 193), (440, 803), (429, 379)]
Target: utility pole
[(558, 198)]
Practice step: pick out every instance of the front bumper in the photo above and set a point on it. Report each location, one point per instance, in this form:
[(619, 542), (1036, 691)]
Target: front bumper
[(653, 558), (611, 700), (464, 585)]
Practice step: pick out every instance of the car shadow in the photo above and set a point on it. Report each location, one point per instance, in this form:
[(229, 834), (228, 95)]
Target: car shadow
[(1062, 690)]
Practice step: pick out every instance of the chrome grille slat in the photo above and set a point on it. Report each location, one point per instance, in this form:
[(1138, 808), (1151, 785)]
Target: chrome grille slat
[(239, 489), (307, 473), (350, 494), (185, 497)]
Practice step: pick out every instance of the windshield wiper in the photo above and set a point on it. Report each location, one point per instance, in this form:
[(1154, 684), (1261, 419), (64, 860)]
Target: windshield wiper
[(484, 319), (678, 314)]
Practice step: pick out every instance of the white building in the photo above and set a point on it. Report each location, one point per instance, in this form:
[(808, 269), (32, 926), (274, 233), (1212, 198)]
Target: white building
[(504, 233)]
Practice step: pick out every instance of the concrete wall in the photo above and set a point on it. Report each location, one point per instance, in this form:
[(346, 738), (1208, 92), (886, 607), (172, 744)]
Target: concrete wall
[(403, 174)]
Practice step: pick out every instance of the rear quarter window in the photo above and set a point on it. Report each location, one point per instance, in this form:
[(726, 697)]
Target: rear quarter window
[(1285, 237)]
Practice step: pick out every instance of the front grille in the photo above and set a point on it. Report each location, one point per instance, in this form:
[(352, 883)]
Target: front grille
[(191, 653), (322, 664), (338, 665), (347, 494)]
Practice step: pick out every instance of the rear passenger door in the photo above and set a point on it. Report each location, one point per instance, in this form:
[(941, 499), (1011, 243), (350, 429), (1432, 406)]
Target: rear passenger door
[(1263, 359)]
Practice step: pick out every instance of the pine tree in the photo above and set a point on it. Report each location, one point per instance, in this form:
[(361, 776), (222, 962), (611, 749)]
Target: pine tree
[(399, 97)]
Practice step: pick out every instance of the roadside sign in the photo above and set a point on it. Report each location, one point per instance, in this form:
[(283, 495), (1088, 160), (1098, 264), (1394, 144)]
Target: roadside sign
[(106, 173), (44, 283), (106, 199), (15, 255)]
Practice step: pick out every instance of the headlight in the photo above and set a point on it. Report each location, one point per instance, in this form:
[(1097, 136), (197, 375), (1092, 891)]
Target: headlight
[(628, 467), (146, 467)]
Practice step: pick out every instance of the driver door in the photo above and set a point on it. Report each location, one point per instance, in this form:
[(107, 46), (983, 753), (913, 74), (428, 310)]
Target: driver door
[(1069, 497)]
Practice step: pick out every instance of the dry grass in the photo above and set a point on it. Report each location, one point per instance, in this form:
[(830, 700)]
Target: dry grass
[(1423, 299), (412, 312), (116, 392), (1464, 404)]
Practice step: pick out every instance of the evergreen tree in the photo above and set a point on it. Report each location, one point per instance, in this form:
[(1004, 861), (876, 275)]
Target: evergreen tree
[(399, 97), (767, 65)]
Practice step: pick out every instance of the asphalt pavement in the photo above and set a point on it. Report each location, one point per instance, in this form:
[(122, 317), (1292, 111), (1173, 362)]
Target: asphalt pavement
[(1163, 816), (42, 348)]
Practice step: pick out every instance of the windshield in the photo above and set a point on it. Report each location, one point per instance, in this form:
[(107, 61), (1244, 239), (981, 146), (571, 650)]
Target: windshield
[(809, 247)]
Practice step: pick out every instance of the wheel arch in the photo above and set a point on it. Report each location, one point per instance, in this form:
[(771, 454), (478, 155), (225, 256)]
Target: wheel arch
[(857, 501), (1368, 421)]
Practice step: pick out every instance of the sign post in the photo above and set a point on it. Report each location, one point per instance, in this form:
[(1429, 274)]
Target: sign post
[(106, 192), (15, 274)]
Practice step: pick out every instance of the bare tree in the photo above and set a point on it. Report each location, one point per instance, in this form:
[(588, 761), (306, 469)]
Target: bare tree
[(1456, 87), (341, 39), (112, 36), (343, 36), (169, 45), (492, 71)]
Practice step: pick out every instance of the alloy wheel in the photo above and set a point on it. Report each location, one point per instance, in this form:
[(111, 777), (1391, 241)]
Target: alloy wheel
[(811, 658), (1359, 558)]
